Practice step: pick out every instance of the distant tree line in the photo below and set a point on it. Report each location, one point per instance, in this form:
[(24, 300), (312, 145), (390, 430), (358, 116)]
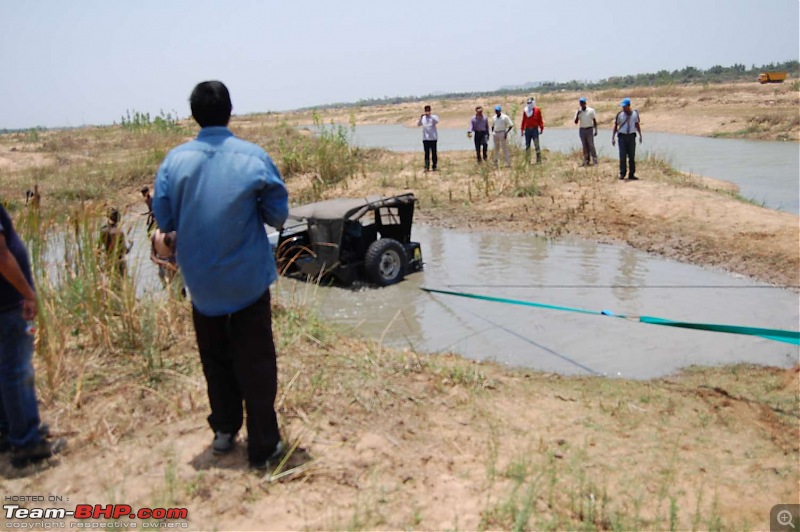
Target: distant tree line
[(688, 75), (715, 74)]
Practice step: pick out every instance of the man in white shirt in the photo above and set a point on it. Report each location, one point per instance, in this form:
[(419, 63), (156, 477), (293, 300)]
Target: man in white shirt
[(587, 121), (428, 122), (501, 126)]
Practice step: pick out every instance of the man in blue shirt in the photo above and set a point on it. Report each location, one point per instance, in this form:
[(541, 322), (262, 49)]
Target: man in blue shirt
[(20, 428), (217, 192)]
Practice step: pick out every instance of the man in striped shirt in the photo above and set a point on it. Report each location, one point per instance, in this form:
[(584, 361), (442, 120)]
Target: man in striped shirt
[(479, 126)]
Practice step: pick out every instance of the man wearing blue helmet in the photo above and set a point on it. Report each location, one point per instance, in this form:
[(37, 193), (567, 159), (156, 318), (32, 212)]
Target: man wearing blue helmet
[(501, 127), (626, 125)]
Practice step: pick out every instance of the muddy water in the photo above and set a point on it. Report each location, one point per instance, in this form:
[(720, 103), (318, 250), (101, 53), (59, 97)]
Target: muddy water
[(766, 172), (573, 274)]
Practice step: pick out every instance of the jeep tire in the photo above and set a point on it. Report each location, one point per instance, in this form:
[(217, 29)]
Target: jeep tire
[(385, 262)]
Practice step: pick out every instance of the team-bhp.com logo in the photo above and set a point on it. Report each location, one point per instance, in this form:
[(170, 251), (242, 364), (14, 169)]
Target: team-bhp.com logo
[(163, 517)]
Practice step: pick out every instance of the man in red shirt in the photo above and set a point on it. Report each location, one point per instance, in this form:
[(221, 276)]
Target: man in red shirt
[(532, 126)]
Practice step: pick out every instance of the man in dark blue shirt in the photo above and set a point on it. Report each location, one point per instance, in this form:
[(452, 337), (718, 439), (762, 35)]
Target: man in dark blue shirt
[(20, 427), (217, 192)]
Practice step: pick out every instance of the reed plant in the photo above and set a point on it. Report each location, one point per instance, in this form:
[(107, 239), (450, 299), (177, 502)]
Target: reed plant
[(329, 154), (524, 182), (91, 318)]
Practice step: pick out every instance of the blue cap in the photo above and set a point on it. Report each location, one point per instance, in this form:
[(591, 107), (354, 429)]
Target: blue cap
[(498, 108), (582, 100), (625, 102)]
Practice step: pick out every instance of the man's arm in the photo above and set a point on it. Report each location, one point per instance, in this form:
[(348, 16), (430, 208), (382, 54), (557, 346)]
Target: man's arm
[(541, 120), (162, 209), (594, 123), (11, 272), (638, 127), (154, 256), (614, 131), (273, 201), (161, 262)]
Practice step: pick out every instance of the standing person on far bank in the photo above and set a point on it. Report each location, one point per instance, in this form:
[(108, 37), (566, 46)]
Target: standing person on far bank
[(479, 126), (501, 127), (532, 126), (625, 127), (20, 427), (428, 122), (587, 121), (217, 192)]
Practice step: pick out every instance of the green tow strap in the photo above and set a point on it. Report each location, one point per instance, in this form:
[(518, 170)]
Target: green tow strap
[(779, 335)]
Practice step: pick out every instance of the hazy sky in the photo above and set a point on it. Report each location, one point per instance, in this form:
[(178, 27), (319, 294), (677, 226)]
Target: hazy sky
[(70, 63)]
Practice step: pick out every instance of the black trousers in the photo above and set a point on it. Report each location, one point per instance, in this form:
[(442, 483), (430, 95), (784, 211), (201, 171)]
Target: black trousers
[(481, 140), (430, 153), (238, 356), (627, 150)]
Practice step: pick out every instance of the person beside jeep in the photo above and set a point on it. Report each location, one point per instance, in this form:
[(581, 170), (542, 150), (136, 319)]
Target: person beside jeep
[(217, 192)]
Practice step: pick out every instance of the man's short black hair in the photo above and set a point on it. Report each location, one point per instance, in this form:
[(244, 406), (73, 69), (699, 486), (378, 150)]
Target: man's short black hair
[(211, 104), (427, 108)]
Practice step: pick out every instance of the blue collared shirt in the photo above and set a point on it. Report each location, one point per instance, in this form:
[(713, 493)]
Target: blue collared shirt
[(217, 192)]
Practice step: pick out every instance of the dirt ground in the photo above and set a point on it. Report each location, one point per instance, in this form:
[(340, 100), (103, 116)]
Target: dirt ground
[(400, 440)]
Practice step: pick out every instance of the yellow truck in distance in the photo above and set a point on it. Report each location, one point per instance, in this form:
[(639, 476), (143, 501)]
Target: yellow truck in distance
[(771, 77)]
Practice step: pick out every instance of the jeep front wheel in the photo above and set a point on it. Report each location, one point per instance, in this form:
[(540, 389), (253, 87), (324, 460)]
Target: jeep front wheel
[(385, 262)]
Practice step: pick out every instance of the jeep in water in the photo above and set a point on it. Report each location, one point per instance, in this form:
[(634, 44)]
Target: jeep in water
[(350, 239)]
